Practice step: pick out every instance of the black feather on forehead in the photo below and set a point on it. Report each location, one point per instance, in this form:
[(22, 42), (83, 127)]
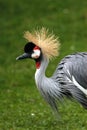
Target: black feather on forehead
[(29, 47)]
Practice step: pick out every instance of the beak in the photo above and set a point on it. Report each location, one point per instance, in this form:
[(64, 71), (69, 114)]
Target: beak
[(23, 56)]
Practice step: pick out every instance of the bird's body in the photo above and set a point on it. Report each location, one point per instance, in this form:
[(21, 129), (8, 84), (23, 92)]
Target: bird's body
[(70, 77), (69, 80)]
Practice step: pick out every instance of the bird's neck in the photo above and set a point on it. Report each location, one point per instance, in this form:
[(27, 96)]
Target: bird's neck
[(40, 69)]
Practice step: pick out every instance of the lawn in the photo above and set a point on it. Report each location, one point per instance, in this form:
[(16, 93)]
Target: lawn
[(21, 105)]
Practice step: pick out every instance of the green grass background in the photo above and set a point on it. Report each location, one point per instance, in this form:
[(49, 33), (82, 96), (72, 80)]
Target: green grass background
[(21, 105)]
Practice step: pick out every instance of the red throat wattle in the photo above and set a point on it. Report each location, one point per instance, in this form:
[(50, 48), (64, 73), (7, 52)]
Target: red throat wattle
[(38, 64)]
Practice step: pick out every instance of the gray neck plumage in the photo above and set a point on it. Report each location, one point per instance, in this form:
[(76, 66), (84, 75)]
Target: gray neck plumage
[(47, 86), (40, 73)]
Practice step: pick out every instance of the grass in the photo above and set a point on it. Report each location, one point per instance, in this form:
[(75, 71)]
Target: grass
[(21, 105)]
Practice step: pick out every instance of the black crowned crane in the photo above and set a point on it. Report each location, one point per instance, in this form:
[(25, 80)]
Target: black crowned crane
[(70, 77)]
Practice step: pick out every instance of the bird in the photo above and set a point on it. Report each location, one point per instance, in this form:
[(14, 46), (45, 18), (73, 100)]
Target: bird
[(69, 79)]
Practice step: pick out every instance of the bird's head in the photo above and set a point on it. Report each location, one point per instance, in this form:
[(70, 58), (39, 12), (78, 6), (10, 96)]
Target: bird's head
[(40, 44), (31, 51)]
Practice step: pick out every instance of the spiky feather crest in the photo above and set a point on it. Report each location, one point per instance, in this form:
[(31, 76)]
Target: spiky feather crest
[(48, 43)]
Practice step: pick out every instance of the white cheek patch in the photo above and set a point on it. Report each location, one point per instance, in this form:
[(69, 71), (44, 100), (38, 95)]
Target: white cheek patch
[(36, 54)]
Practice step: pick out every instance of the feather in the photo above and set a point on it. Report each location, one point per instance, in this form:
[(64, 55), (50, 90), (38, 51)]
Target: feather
[(48, 43), (71, 71)]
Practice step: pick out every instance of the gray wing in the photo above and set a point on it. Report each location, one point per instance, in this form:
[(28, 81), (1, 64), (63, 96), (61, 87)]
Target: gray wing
[(77, 66), (74, 65)]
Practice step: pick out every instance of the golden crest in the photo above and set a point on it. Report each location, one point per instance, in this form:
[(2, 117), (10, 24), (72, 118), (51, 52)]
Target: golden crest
[(48, 43)]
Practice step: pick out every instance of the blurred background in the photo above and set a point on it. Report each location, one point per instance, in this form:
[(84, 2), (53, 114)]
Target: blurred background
[(21, 105)]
